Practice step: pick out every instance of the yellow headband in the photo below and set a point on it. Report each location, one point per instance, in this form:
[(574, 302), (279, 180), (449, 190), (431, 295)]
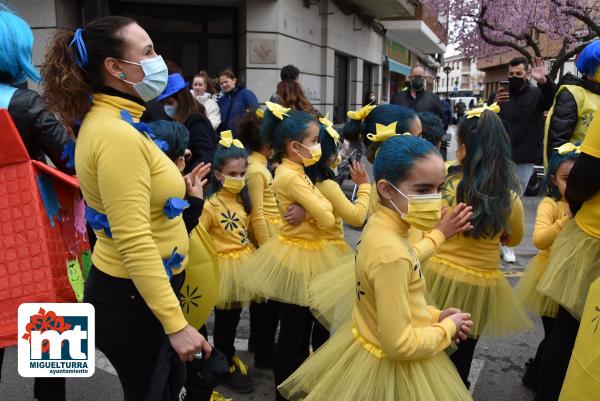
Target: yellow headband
[(478, 111), (260, 113), (277, 110), (227, 140), (568, 148), (329, 128), (383, 132), (360, 115)]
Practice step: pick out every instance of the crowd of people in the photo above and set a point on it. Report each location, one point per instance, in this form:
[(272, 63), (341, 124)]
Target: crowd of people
[(397, 318)]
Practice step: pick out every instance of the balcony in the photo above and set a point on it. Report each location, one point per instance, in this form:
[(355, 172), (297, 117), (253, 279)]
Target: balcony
[(380, 9)]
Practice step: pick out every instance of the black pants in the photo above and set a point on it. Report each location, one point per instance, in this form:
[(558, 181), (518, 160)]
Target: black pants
[(267, 316), (463, 357), (127, 331), (226, 323), (194, 390), (293, 343), (534, 368), (44, 388), (556, 355)]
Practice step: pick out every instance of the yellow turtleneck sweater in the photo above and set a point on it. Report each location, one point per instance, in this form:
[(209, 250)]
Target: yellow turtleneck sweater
[(264, 206), (125, 176)]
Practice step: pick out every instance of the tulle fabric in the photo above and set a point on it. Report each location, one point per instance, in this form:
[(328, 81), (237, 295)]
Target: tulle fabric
[(486, 295), (574, 266), (232, 293), (344, 370), (527, 292), (331, 295), (282, 268)]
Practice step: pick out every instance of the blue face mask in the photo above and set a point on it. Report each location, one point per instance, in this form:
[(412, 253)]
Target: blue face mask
[(170, 110), (155, 79)]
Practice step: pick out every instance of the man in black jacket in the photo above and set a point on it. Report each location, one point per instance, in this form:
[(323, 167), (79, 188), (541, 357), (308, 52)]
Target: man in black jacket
[(522, 112)]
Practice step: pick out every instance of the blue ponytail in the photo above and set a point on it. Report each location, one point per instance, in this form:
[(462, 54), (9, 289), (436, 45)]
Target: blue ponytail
[(277, 133)]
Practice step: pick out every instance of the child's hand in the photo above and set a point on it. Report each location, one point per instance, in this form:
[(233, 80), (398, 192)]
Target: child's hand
[(448, 312), (358, 173), (463, 324), (456, 222), (295, 215), (196, 179)]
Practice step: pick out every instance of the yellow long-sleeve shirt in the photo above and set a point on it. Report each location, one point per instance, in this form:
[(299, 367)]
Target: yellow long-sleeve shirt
[(225, 219), (344, 210), (551, 217), (588, 216), (483, 253), (125, 176), (390, 311), (264, 206), (290, 186), (425, 244)]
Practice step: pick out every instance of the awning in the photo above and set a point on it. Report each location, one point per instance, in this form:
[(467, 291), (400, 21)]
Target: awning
[(398, 68)]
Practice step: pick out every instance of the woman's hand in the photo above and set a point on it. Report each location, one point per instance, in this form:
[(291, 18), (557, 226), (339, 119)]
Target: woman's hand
[(187, 342), (295, 215), (457, 221), (196, 179), (358, 173)]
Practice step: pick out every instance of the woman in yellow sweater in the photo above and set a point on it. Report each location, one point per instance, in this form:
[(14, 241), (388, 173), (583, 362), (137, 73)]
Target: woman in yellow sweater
[(466, 271), (102, 74), (393, 349), (552, 215), (282, 268)]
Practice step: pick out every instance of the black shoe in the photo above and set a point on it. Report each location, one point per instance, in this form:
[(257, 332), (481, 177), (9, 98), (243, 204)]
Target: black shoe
[(529, 378), (239, 379)]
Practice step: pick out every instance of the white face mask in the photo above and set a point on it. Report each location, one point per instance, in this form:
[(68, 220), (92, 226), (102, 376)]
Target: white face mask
[(156, 75), (170, 110)]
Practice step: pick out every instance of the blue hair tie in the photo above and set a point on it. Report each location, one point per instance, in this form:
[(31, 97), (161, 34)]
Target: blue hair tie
[(81, 56)]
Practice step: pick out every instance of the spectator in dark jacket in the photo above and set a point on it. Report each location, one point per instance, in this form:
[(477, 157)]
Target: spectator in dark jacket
[(416, 97), (181, 106), (576, 102), (522, 112), (234, 102), (288, 72)]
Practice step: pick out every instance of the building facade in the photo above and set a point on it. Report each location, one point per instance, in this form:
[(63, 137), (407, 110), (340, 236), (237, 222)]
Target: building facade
[(460, 77)]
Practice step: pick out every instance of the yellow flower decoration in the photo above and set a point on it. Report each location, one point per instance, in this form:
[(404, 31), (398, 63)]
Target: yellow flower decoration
[(479, 110), (360, 115), (260, 113), (330, 130), (568, 148), (277, 110), (227, 140), (383, 132)]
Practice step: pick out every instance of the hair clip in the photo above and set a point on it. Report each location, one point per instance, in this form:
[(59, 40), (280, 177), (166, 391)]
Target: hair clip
[(568, 148), (227, 140), (277, 110), (362, 113), (383, 132), (479, 110), (329, 128)]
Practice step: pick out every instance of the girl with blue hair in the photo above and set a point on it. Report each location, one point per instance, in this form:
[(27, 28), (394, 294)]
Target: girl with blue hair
[(466, 271), (393, 349), (552, 215), (282, 268)]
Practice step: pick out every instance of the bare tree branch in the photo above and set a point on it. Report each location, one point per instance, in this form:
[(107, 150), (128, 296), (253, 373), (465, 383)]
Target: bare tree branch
[(566, 55)]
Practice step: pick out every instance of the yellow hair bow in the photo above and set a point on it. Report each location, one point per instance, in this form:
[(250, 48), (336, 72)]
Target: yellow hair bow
[(227, 140), (383, 132), (277, 110), (568, 148), (329, 128), (362, 113), (260, 113), (479, 110)]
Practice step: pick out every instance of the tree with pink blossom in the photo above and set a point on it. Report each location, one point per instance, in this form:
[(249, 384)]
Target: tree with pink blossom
[(483, 27)]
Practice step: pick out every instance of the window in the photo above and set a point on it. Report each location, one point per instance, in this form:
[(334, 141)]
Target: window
[(340, 89), (367, 78)]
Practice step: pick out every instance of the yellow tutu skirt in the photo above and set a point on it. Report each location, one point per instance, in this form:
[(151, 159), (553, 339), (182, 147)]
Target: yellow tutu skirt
[(344, 370), (342, 246), (486, 295), (282, 268), (273, 225), (527, 292), (232, 294), (573, 267), (331, 295)]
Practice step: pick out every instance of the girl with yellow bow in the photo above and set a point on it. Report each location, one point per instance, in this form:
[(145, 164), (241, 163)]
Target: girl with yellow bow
[(226, 217)]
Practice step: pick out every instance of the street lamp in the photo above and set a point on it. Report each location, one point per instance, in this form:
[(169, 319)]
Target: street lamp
[(447, 70)]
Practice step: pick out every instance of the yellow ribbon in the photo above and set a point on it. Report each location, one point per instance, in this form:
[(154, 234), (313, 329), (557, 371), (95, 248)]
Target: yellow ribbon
[(568, 148), (329, 128), (383, 132), (260, 113), (362, 113), (372, 348), (227, 140), (277, 110), (479, 110)]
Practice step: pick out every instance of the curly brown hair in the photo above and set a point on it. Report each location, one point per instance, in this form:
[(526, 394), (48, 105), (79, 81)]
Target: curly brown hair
[(291, 95), (210, 84), (67, 87)]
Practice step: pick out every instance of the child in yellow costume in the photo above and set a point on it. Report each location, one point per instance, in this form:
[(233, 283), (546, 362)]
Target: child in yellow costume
[(552, 215), (226, 217), (574, 266), (282, 268), (393, 348), (466, 271)]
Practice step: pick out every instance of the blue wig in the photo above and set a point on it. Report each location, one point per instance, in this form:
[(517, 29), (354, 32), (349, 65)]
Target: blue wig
[(222, 155), (277, 133), (16, 43), (589, 60), (321, 171), (397, 155), (433, 127), (556, 160), (175, 134)]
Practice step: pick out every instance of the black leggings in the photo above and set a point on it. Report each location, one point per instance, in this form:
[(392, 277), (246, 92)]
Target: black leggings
[(297, 325), (463, 357), (556, 355), (127, 331), (267, 316), (226, 322)]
